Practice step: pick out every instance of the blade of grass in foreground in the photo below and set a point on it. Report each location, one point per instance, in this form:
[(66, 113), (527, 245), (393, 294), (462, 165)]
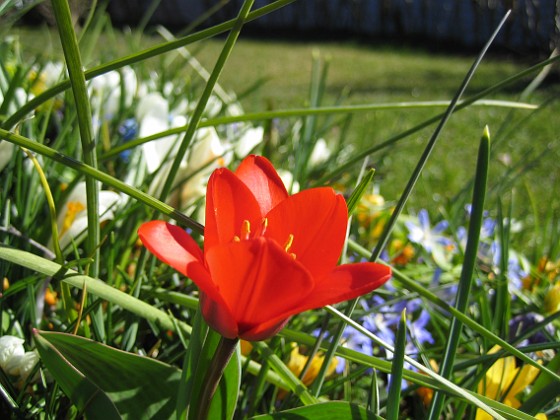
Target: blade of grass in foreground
[(469, 262), (299, 112), (394, 397), (78, 82), (445, 384)]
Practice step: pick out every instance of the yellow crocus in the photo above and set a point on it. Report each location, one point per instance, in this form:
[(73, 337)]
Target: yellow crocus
[(504, 381)]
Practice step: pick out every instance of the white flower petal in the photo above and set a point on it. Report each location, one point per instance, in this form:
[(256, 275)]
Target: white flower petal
[(10, 347)]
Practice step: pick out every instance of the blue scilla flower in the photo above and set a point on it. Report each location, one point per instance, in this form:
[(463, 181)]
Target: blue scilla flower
[(422, 233), (128, 131), (523, 323)]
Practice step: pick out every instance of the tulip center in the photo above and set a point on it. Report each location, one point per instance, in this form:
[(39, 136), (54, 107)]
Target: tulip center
[(245, 234)]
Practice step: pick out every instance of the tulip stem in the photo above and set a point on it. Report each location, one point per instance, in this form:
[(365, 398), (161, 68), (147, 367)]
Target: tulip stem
[(222, 356)]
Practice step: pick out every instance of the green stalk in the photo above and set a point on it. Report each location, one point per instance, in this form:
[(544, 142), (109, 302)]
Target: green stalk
[(299, 112), (69, 42), (201, 105), (73, 59), (469, 263), (65, 288), (224, 351)]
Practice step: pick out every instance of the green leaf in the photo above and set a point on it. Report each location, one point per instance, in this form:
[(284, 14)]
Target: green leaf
[(334, 410), (469, 263), (190, 365), (94, 287), (359, 191), (104, 381), (225, 399)]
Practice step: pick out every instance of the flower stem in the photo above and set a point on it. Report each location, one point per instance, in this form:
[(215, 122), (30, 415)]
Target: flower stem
[(223, 354)]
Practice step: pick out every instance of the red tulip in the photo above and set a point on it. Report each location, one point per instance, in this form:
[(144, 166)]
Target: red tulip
[(267, 255)]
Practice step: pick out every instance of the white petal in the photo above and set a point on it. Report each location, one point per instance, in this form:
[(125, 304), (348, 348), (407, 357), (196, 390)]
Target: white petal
[(10, 347)]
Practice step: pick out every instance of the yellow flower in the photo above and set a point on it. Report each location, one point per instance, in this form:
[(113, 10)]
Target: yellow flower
[(246, 347), (298, 361), (552, 299), (503, 381)]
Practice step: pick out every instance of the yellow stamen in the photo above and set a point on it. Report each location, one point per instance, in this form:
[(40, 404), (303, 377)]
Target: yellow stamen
[(264, 225), (289, 242), (245, 229), (74, 207)]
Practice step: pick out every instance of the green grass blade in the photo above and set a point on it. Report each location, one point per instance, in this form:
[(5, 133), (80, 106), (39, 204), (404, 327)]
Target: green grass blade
[(430, 146), (445, 384), (73, 59), (300, 112), (502, 302), (81, 390), (469, 263), (185, 389), (394, 397), (295, 385), (359, 191), (138, 386), (330, 410), (94, 286)]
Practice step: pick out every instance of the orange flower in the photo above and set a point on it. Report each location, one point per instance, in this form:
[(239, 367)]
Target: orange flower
[(267, 255)]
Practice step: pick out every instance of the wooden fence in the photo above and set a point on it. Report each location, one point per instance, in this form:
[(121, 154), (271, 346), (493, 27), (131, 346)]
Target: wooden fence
[(533, 26)]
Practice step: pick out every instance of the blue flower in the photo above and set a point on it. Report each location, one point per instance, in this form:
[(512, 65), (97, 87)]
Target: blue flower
[(423, 234)]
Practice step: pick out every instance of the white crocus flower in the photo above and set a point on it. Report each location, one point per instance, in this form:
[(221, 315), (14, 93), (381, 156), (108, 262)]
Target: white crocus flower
[(6, 153), (206, 153), (288, 179), (152, 114), (250, 139), (14, 360), (105, 91), (22, 365), (51, 73), (320, 153), (72, 219), (10, 348)]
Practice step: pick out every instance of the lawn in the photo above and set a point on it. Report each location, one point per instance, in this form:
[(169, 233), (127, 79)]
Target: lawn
[(276, 74)]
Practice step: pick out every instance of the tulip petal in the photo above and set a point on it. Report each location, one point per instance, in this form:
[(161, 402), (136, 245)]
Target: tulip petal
[(173, 246), (228, 203), (262, 179), (347, 282), (317, 220), (218, 316), (344, 283), (258, 280)]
